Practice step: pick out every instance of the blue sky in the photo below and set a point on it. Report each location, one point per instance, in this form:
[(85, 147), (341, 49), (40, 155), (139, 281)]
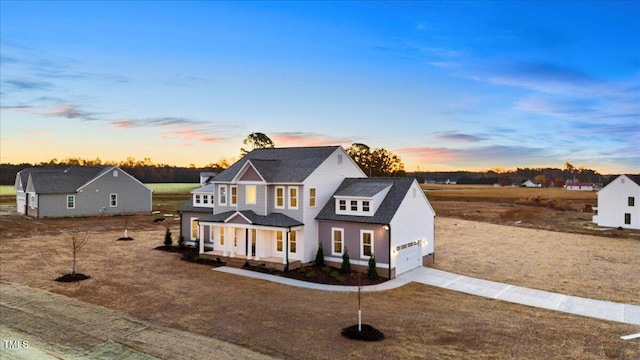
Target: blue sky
[(445, 85)]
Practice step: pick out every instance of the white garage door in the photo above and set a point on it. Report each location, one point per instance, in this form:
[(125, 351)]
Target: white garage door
[(409, 257)]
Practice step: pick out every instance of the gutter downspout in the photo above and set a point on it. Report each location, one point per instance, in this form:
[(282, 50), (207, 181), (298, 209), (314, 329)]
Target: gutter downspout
[(286, 251), (246, 243), (389, 226)]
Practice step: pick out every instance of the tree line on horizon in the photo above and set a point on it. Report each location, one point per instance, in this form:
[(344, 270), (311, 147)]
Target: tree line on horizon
[(373, 162)]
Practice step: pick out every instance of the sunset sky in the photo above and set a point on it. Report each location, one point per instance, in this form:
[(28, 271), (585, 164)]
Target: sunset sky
[(445, 85)]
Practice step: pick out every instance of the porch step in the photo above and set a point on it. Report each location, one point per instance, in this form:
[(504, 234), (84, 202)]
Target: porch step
[(235, 262)]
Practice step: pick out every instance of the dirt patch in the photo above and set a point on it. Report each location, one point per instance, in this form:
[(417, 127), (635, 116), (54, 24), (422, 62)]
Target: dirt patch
[(66, 328), (72, 277), (573, 264), (364, 332)]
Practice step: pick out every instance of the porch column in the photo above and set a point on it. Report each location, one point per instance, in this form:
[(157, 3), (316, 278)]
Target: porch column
[(258, 237), (233, 241), (201, 236), (226, 240), (247, 241)]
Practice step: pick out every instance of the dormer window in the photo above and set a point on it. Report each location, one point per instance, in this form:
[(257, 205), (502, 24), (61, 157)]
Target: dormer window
[(197, 199), (365, 206), (354, 205), (343, 205)]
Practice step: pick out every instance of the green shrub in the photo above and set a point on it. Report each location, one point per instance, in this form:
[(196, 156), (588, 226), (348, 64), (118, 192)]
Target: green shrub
[(246, 264), (345, 268), (181, 241), (326, 269), (311, 275), (372, 273), (168, 241), (320, 256), (334, 274)]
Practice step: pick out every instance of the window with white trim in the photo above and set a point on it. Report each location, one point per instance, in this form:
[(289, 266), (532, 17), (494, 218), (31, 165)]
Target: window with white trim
[(337, 241), (71, 201), (342, 205), (312, 197), (279, 236), (366, 243), (194, 228), (366, 207), (293, 241), (197, 196), (221, 235), (205, 199), (354, 205), (113, 200), (279, 203), (293, 197), (234, 195), (251, 194), (222, 195)]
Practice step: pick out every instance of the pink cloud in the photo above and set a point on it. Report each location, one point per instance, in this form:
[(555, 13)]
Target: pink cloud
[(288, 139)]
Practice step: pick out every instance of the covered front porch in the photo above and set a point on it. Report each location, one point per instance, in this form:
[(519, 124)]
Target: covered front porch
[(238, 237)]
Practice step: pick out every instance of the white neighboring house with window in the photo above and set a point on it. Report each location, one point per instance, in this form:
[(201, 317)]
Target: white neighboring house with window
[(619, 203), (80, 191)]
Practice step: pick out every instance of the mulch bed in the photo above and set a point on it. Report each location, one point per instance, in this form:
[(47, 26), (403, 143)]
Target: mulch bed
[(321, 275), (128, 238), (72, 278), (368, 333), (191, 255)]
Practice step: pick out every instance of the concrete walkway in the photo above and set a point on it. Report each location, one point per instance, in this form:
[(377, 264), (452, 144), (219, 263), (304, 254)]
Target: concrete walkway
[(606, 310)]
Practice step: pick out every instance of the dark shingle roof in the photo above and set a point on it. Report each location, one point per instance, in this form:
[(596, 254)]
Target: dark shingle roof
[(634, 178), (281, 164), (61, 180), (387, 208), (273, 219), (187, 206)]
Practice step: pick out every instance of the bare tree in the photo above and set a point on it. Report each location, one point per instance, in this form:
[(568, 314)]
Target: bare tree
[(76, 243)]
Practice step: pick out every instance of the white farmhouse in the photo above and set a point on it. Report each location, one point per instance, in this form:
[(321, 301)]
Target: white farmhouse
[(617, 203)]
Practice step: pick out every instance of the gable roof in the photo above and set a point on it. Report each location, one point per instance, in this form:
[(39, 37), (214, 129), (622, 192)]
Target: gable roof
[(358, 186), (61, 180), (286, 165), (272, 219), (634, 178)]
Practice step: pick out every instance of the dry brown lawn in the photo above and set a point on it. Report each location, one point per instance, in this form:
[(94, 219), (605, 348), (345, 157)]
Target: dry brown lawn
[(419, 321)]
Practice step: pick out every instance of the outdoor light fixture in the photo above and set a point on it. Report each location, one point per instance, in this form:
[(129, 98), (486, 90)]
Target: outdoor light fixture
[(386, 227)]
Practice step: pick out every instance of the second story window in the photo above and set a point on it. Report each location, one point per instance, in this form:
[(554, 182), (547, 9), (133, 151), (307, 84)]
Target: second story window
[(342, 205), (365, 206), (234, 195), (312, 197), (205, 199), (631, 201), (293, 197), (354, 205), (222, 195), (251, 194), (197, 199), (279, 197), (113, 200)]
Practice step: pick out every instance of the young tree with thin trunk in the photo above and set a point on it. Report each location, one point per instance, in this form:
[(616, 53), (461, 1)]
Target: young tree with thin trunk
[(76, 243)]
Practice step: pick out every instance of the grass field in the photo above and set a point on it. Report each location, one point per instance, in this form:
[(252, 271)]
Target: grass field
[(440, 191), (7, 190), (173, 188)]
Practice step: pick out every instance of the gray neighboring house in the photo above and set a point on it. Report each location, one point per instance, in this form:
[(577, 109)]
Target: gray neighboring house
[(79, 191)]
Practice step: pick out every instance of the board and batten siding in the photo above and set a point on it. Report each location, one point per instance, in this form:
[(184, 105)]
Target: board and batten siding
[(325, 179), (414, 220)]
